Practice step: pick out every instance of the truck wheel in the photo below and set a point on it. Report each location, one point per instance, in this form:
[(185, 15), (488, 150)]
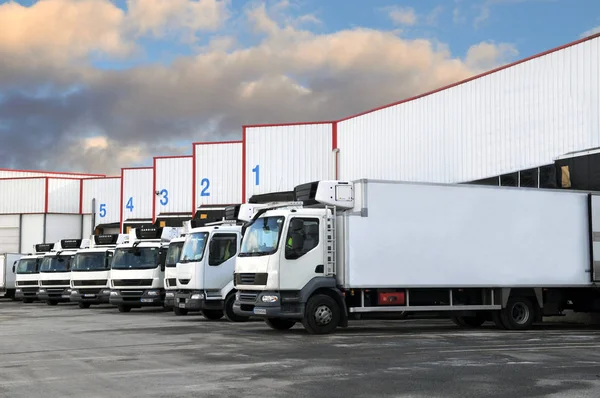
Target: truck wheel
[(229, 314), (322, 315), (213, 315), (84, 305), (180, 311), (279, 324), (519, 314), (124, 308)]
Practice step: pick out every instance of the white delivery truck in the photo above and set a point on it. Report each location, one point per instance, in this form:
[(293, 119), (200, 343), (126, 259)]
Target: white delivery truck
[(205, 270), (173, 256), (28, 273), (55, 271), (90, 272), (476, 253), (138, 268), (8, 272)]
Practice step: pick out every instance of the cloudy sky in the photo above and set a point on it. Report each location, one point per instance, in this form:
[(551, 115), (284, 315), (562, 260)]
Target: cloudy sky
[(95, 85)]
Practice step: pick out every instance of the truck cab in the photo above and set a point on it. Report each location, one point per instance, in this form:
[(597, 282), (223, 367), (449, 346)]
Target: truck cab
[(28, 273), (287, 259), (90, 271), (55, 271), (138, 268), (173, 256), (205, 269)]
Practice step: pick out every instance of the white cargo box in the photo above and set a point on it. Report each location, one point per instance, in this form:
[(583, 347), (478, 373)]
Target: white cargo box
[(7, 274), (429, 235)]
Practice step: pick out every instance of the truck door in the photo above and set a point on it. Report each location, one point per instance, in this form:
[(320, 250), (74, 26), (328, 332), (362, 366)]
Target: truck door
[(595, 231), (302, 255), (222, 249)]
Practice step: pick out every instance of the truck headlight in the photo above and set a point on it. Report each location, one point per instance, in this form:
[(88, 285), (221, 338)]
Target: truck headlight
[(114, 293), (74, 292), (42, 290), (269, 299), (106, 292), (18, 291), (169, 294), (152, 293), (198, 296)]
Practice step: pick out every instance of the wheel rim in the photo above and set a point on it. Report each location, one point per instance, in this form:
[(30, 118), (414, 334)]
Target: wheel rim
[(520, 313), (323, 315)]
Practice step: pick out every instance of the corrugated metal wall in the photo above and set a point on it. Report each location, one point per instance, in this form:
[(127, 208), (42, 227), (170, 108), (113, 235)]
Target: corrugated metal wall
[(137, 193), (63, 195), (173, 181), (63, 226), (9, 233), (517, 118), (277, 158), (218, 173), (23, 195), (107, 192), (32, 231)]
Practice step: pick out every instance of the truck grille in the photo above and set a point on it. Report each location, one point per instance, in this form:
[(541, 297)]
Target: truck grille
[(90, 291), (95, 282), (248, 297), (251, 279), (56, 283), (132, 282), (184, 281), (27, 283)]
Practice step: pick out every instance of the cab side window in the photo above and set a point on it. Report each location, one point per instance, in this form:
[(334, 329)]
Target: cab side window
[(302, 237), (222, 248)]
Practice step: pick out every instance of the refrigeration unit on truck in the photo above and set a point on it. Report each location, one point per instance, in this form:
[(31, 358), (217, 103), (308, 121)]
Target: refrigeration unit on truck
[(474, 253), (8, 272), (173, 256), (138, 268), (90, 271), (28, 273), (205, 269), (55, 271)]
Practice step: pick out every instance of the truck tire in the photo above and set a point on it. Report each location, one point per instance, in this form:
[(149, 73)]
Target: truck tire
[(180, 311), (84, 305), (322, 315), (124, 308), (519, 313), (213, 315), (229, 314), (279, 323)]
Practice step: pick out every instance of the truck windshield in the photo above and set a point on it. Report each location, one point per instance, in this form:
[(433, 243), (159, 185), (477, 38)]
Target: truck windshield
[(135, 258), (56, 263), (193, 248), (28, 266), (89, 262), (262, 237), (173, 254)]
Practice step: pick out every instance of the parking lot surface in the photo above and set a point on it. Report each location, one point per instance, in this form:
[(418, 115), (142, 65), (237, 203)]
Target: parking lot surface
[(65, 351)]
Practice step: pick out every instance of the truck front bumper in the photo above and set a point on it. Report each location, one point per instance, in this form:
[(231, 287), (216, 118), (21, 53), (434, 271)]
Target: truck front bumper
[(267, 304), (169, 299), (138, 297), (59, 294), (195, 300), (26, 293), (90, 295)]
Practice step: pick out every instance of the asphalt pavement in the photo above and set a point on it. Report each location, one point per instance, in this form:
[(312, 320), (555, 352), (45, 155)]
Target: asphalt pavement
[(65, 351)]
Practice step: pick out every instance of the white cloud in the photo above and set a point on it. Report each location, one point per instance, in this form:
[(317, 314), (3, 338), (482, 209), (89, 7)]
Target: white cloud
[(485, 56), (403, 15), (590, 32)]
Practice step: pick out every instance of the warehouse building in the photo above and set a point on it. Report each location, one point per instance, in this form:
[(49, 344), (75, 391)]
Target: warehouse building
[(534, 123)]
